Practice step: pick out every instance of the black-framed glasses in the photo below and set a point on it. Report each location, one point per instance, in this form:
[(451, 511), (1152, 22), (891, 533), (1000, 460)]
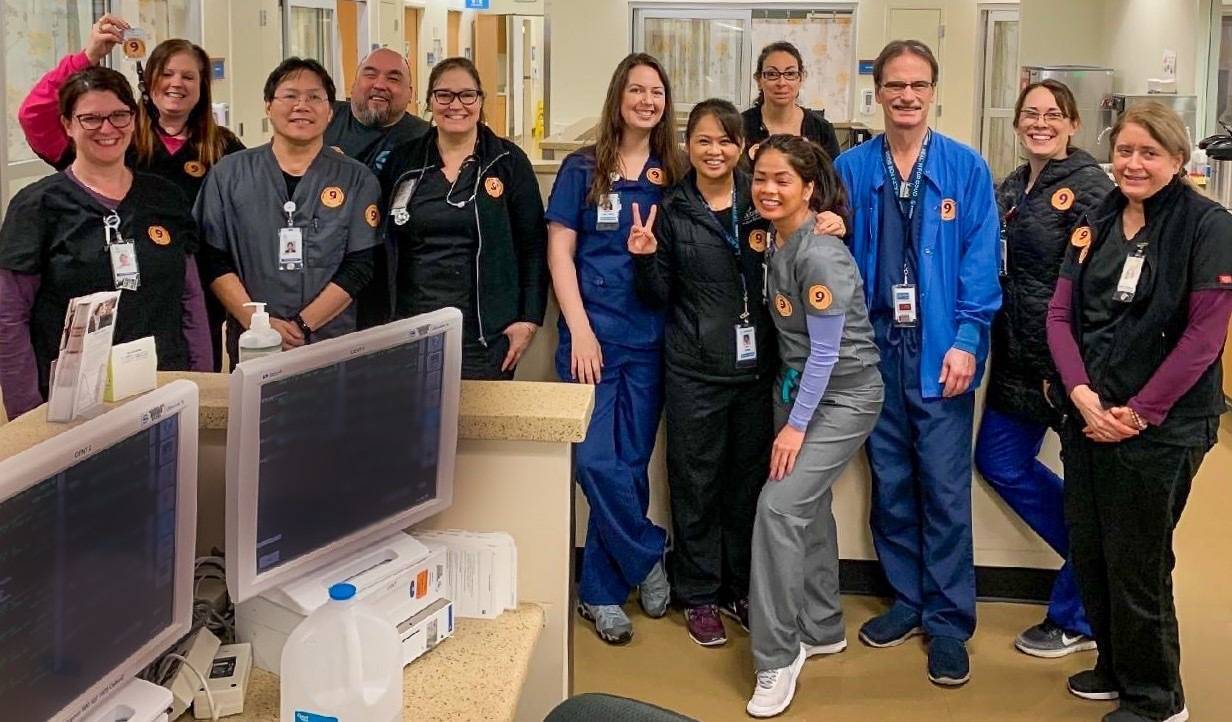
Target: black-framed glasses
[(1052, 116), (772, 75), (898, 87), (94, 121), (466, 97)]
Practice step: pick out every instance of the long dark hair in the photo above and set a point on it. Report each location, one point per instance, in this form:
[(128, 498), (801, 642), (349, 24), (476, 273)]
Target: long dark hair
[(781, 46), (813, 165), (458, 63), (205, 135), (611, 129)]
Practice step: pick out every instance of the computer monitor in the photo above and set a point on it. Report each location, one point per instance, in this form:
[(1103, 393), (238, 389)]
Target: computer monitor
[(97, 537), (332, 446)]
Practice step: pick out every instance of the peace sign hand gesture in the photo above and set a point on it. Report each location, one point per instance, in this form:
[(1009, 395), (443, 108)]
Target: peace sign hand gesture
[(642, 240)]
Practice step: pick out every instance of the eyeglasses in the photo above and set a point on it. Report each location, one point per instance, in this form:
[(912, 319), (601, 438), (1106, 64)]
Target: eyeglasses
[(93, 121), (772, 75), (466, 97), (1052, 116), (898, 87), (294, 99)]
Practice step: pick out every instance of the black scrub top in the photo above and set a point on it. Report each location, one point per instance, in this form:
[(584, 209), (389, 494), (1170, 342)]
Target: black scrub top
[(368, 144), (54, 229), (1101, 312), (437, 246)]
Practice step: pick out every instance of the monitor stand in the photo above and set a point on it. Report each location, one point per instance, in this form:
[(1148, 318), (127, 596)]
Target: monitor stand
[(398, 577), (136, 701)]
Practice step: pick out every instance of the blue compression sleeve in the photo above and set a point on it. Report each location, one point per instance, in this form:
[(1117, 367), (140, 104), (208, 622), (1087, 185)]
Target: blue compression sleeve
[(825, 333)]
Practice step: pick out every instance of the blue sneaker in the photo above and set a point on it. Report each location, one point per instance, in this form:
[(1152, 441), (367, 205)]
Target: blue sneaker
[(948, 664), (892, 628)]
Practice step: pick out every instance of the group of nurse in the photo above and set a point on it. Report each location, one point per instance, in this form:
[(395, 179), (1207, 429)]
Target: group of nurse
[(713, 285)]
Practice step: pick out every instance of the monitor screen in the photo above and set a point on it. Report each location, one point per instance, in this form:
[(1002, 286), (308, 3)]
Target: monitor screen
[(333, 446), (88, 563), (344, 445)]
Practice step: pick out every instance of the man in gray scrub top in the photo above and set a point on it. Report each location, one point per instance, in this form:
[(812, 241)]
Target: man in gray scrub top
[(291, 223)]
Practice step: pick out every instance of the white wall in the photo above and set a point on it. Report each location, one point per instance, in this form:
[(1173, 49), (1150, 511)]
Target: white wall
[(1137, 32)]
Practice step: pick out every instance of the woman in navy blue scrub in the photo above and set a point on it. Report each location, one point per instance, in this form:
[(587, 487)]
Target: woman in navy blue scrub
[(603, 195)]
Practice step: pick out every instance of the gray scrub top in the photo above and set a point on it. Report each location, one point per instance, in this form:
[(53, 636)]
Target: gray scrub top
[(816, 275), (240, 210)]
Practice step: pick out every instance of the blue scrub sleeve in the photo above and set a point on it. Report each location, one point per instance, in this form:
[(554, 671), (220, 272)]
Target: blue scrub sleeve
[(825, 334), (567, 201)]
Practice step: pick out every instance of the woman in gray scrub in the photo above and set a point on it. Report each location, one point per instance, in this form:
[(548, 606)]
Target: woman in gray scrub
[(291, 223), (826, 400)]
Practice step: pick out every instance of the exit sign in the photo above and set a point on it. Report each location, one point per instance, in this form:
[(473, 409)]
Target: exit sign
[(478, 4)]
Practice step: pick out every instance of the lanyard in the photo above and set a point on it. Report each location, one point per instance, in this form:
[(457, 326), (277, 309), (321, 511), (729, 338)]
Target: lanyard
[(734, 241), (911, 193)]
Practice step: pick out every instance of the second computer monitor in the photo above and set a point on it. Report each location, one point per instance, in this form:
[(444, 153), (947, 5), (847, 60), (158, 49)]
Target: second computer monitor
[(334, 445)]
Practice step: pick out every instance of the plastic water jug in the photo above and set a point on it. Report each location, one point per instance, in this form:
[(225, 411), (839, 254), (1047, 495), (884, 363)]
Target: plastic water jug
[(343, 663)]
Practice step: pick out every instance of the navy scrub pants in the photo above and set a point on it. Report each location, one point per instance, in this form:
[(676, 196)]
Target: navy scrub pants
[(622, 544), (1005, 454), (920, 457)]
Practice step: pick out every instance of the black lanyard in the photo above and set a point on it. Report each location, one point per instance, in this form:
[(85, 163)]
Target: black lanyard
[(733, 240)]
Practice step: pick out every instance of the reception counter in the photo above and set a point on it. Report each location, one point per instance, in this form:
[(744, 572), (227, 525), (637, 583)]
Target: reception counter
[(513, 474)]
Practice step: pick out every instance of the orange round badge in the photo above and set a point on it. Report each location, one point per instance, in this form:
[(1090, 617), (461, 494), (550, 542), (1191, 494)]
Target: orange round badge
[(372, 215), (949, 209), (332, 197), (494, 187), (159, 235), (757, 240), (1081, 237), (820, 297), (655, 175), (194, 169), (1063, 199), (134, 48), (782, 305)]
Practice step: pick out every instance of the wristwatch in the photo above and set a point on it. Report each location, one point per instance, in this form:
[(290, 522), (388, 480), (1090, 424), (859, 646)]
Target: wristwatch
[(303, 326)]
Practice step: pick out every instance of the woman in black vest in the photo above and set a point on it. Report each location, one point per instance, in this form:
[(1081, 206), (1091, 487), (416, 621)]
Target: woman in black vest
[(1039, 202), (779, 75), (464, 224), (1136, 328), (175, 136)]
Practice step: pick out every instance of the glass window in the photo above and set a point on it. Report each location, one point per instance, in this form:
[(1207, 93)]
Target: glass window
[(38, 34), (310, 34), (998, 144), (1224, 82)]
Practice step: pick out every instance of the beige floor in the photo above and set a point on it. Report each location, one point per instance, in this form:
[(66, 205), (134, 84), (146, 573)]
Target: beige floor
[(662, 666)]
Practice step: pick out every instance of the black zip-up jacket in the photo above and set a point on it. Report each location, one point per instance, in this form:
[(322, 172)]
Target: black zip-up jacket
[(1036, 229), (511, 269), (814, 127), (696, 274), (1187, 237)]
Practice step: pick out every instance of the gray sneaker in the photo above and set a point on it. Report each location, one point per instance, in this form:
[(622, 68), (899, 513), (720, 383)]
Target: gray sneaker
[(654, 593), (1049, 641), (611, 623)]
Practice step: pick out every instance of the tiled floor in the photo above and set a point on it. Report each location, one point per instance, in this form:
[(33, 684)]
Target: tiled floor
[(662, 666)]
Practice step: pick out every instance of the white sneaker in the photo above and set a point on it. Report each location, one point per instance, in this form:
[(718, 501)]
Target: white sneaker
[(775, 689), (813, 650)]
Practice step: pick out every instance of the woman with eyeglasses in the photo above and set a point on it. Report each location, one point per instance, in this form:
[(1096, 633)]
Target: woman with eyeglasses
[(96, 226), (1039, 203), (780, 72), (291, 223), (174, 135), (464, 227)]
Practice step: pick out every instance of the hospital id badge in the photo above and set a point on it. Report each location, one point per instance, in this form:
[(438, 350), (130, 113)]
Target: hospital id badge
[(398, 208), (746, 345), (905, 312), (1130, 273), (609, 213), (124, 271), (290, 249)]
